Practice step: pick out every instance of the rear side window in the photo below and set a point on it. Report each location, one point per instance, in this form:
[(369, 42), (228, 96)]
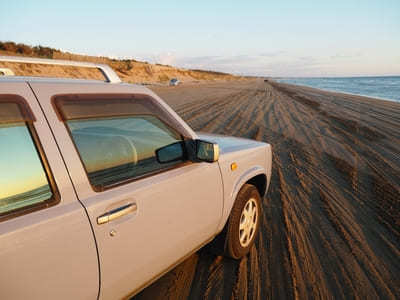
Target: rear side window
[(117, 138), (23, 182)]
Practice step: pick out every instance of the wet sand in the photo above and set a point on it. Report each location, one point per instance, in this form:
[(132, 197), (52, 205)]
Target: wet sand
[(331, 218)]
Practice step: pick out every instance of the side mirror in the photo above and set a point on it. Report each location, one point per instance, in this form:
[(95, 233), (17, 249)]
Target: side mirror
[(207, 151), (170, 153)]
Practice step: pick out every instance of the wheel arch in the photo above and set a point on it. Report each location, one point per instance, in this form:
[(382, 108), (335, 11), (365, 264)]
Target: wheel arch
[(260, 182), (255, 176)]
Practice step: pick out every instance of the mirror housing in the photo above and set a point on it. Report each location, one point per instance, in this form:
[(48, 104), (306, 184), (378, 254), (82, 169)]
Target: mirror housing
[(207, 151), (170, 153)]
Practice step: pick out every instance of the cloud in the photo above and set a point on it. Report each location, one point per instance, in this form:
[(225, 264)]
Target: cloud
[(221, 62), (272, 54), (164, 58), (347, 55), (307, 59), (265, 64), (218, 60), (274, 63)]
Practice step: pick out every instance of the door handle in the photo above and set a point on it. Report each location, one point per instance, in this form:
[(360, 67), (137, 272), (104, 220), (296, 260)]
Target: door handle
[(116, 213)]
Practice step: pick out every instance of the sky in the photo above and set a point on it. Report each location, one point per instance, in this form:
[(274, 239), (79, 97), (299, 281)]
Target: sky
[(266, 38)]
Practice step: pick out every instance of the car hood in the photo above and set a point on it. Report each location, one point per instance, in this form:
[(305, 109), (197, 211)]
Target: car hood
[(229, 143)]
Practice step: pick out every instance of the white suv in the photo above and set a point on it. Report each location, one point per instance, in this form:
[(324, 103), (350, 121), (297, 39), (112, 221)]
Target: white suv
[(104, 187)]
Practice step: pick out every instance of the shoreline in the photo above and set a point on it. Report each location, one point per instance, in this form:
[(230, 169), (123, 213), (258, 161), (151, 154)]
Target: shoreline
[(355, 97), (341, 91)]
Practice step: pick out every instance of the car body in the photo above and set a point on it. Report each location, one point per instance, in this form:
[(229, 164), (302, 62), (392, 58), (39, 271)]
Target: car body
[(104, 188), (174, 82)]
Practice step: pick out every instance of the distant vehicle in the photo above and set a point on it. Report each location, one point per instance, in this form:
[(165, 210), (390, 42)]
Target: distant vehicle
[(174, 81), (6, 72), (266, 80), (104, 187)]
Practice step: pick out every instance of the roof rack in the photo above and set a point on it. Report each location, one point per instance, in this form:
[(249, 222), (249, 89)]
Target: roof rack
[(106, 70)]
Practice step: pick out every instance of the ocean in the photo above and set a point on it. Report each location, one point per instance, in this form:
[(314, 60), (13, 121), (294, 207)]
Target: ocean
[(382, 87)]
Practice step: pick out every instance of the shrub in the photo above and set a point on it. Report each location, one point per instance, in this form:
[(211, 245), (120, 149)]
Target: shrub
[(24, 49), (43, 51), (10, 46), (128, 64)]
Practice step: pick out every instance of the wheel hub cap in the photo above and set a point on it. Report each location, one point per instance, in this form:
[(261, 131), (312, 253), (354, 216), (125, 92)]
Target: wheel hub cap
[(248, 222)]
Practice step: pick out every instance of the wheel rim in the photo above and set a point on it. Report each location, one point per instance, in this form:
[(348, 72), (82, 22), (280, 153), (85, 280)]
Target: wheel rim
[(248, 222)]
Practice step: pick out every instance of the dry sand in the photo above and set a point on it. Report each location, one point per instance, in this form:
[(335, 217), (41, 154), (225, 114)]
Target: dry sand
[(331, 220)]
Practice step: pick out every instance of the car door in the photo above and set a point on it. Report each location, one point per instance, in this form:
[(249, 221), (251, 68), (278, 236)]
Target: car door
[(47, 247), (146, 216)]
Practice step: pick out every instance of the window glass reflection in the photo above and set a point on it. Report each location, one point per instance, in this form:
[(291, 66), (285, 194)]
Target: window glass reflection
[(117, 149), (23, 181)]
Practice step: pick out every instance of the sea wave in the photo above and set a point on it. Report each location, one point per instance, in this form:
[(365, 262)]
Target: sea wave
[(382, 87)]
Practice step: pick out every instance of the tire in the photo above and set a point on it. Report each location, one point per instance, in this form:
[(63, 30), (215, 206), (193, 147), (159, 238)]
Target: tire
[(243, 223)]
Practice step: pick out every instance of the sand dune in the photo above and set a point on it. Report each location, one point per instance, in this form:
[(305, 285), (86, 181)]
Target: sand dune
[(331, 222), (128, 70)]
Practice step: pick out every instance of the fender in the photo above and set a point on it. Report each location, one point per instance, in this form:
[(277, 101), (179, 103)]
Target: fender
[(240, 181)]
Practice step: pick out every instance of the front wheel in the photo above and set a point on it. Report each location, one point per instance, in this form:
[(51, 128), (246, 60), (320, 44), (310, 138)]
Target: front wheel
[(243, 223)]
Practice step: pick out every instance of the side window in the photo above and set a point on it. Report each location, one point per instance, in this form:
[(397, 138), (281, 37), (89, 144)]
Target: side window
[(117, 142), (23, 181)]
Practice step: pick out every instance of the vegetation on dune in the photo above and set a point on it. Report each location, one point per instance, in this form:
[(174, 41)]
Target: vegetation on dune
[(130, 70), (39, 51), (209, 72)]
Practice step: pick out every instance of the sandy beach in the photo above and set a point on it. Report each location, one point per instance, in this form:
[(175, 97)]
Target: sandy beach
[(331, 217)]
